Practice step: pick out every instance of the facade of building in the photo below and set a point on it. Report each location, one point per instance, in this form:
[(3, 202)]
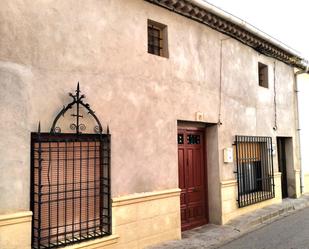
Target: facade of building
[(303, 91), (201, 111)]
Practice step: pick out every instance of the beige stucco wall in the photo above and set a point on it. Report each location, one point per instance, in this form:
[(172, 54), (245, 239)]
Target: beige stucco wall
[(47, 46)]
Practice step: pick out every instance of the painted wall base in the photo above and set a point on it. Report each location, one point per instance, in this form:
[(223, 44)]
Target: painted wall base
[(146, 219), (230, 208), (297, 183), (306, 183), (15, 230), (139, 220)]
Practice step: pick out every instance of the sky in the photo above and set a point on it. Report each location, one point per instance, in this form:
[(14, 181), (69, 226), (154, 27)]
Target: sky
[(285, 20)]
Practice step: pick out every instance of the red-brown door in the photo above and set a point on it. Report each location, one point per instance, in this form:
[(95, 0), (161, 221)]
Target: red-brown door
[(192, 178)]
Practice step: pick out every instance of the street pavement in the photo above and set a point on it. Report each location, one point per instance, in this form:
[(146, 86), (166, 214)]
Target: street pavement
[(279, 226), (291, 232)]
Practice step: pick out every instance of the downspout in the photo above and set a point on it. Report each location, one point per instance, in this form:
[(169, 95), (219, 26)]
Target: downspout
[(297, 124)]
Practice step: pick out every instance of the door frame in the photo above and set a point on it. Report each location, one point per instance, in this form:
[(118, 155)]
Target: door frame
[(204, 164), (283, 143)]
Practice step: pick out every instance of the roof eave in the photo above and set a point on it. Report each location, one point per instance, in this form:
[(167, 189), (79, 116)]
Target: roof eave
[(232, 26)]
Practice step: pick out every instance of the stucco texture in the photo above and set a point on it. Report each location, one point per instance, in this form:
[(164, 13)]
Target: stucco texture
[(46, 47)]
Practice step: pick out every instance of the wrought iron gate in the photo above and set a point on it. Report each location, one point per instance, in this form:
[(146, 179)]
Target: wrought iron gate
[(70, 181)]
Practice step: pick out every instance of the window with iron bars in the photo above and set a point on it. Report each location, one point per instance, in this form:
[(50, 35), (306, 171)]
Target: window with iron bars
[(70, 179), (70, 188), (157, 39), (255, 174)]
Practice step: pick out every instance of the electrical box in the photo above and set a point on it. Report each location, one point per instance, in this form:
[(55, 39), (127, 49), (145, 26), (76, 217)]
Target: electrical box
[(228, 155)]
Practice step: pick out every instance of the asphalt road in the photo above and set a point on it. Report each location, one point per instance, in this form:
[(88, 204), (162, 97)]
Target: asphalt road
[(291, 232)]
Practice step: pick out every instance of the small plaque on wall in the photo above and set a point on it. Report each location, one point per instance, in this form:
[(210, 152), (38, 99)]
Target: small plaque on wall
[(199, 116)]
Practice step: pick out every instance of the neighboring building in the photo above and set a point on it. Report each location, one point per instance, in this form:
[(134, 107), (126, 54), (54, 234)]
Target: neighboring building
[(303, 103), (201, 108)]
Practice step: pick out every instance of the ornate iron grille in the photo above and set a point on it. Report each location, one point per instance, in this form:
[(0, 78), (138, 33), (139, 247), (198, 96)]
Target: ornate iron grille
[(70, 182), (255, 174)]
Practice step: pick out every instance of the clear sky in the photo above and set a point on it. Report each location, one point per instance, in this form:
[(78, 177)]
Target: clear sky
[(285, 20)]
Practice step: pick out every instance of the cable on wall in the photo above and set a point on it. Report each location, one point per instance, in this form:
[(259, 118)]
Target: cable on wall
[(220, 81), (275, 99)]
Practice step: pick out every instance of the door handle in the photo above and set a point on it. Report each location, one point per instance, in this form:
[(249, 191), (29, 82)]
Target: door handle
[(194, 189)]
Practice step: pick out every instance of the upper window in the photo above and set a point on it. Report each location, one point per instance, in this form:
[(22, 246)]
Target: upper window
[(263, 75), (157, 39)]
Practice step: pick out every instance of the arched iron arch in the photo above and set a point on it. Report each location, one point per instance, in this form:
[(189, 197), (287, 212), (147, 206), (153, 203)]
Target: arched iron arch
[(70, 180), (78, 126)]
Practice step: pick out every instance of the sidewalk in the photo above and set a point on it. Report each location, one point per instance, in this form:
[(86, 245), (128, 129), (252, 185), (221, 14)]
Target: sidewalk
[(212, 236)]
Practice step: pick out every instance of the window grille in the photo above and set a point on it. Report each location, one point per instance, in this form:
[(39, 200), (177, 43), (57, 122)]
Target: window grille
[(157, 38), (154, 40), (70, 184), (255, 175)]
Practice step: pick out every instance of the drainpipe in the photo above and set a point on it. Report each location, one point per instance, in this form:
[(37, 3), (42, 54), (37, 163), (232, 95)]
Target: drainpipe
[(297, 125)]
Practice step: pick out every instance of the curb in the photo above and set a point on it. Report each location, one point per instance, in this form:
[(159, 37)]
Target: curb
[(214, 236), (270, 213)]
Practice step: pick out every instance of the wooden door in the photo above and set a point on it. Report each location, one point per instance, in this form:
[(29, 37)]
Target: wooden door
[(192, 178)]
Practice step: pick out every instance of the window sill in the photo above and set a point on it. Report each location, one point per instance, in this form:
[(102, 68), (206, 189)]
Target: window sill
[(158, 56), (95, 243)]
